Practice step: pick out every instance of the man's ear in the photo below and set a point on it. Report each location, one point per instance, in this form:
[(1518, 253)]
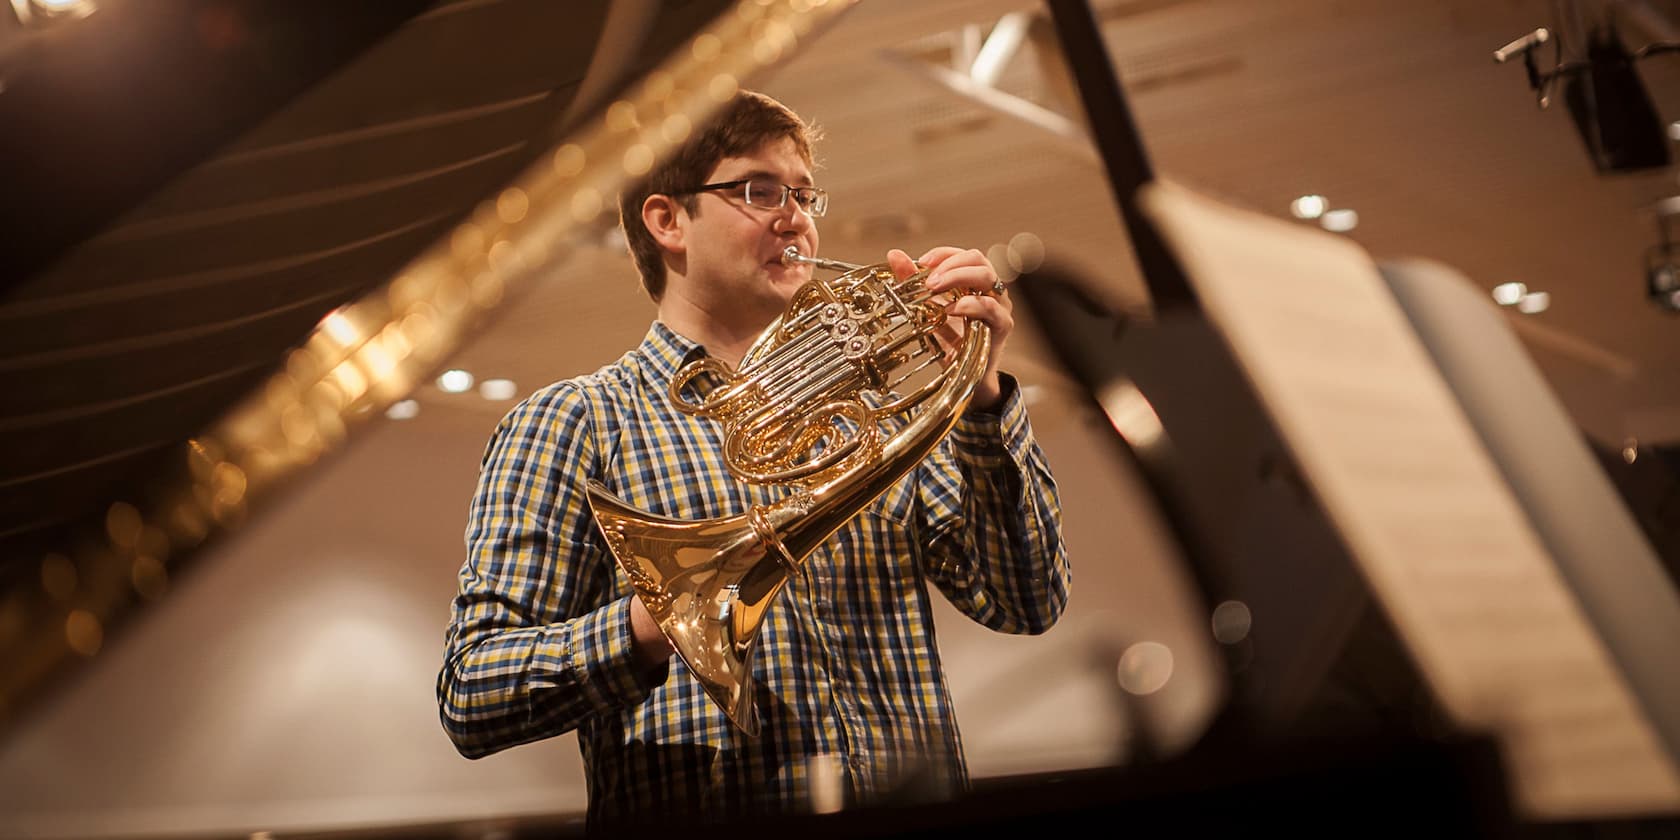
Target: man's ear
[(664, 219)]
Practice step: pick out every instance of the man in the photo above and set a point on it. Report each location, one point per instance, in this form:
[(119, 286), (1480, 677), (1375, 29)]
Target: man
[(546, 635)]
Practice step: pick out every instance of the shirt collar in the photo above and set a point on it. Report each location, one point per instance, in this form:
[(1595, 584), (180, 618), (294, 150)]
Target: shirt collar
[(666, 352)]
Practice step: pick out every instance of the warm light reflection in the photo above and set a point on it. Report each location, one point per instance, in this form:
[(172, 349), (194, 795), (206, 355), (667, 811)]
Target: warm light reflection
[(467, 242), (722, 87), (228, 482), (339, 329), (676, 128), (1130, 413), (586, 205), (295, 426), (349, 381), (377, 360), (1145, 668), (621, 117), (486, 287), (998, 256), (569, 160), (827, 784), (83, 632), (706, 47), (1231, 622), (512, 205), (419, 326), (1026, 252), (122, 525), (187, 523), (638, 160)]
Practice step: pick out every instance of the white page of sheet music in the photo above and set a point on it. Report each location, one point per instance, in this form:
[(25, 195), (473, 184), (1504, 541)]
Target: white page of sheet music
[(1428, 518)]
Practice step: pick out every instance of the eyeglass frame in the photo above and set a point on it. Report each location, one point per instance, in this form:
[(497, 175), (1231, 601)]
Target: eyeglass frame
[(819, 197)]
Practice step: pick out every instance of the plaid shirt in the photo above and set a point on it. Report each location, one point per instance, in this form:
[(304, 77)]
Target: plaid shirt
[(848, 672)]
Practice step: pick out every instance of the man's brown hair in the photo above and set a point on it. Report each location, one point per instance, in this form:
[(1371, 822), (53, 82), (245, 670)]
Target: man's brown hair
[(741, 127)]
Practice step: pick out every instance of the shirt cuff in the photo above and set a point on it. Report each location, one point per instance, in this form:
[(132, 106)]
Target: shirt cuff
[(604, 658), (991, 437)]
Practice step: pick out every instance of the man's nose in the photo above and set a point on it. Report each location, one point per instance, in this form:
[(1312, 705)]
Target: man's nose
[(791, 217)]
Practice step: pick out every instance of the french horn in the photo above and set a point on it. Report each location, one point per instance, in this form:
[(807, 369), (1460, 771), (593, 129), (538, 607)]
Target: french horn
[(803, 410)]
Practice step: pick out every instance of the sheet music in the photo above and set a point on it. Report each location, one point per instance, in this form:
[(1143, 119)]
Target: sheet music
[(1426, 514)]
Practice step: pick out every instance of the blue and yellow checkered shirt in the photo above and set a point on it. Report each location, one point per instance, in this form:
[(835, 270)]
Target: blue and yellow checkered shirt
[(847, 668)]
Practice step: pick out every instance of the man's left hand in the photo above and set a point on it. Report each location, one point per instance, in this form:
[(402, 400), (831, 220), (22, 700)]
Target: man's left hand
[(961, 272)]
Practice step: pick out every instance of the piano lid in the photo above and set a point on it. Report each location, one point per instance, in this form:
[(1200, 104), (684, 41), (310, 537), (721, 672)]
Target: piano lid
[(252, 224)]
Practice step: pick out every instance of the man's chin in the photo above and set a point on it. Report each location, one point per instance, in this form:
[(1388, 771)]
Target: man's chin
[(785, 280)]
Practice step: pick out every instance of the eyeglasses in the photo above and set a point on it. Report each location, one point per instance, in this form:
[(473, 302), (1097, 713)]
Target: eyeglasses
[(771, 194)]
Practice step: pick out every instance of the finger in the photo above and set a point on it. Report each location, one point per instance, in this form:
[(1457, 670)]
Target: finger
[(949, 338), (994, 313), (933, 258), (900, 264), (966, 278), (951, 259)]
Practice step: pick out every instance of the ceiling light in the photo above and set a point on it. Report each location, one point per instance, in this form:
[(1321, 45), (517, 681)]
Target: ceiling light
[(1662, 281), (1339, 221), (1309, 206), (498, 389), (403, 410), (1000, 46), (28, 10), (1534, 302), (1507, 294), (454, 381)]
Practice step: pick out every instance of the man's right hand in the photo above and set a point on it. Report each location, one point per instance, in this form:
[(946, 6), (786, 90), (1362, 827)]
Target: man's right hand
[(652, 648)]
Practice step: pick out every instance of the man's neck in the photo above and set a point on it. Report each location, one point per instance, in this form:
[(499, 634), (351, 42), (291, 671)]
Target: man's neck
[(727, 340)]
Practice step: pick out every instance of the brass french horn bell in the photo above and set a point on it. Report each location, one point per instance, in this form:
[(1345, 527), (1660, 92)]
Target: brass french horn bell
[(803, 411)]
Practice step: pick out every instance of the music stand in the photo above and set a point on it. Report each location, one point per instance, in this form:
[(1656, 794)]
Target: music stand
[(1435, 532)]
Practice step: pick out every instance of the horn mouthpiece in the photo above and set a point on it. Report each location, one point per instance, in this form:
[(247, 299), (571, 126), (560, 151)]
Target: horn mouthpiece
[(791, 255)]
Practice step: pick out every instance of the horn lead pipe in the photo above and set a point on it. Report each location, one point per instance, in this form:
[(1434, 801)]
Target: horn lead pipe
[(792, 255)]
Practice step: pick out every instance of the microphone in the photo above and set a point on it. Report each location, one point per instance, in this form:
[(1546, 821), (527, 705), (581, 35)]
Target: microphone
[(1522, 45)]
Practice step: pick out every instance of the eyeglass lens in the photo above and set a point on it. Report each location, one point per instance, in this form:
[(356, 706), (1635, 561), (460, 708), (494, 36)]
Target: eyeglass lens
[(767, 193)]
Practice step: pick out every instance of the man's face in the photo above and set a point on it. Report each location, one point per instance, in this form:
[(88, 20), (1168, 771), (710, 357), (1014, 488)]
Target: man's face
[(734, 249)]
